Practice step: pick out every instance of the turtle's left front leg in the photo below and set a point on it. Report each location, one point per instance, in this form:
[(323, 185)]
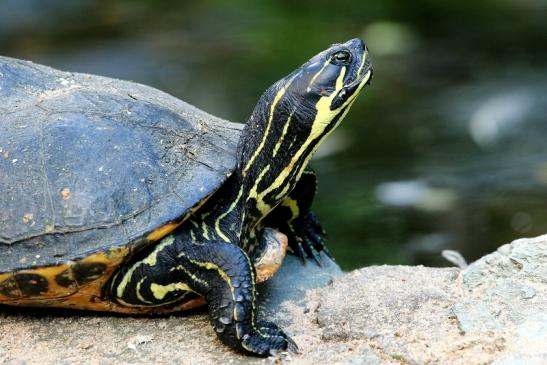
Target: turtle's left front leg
[(226, 278)]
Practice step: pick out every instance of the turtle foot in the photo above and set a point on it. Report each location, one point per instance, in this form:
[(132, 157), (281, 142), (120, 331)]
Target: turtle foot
[(307, 238), (267, 339)]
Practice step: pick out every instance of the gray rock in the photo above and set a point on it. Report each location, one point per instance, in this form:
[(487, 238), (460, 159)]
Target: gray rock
[(388, 305), (506, 291), (495, 311), (294, 281)]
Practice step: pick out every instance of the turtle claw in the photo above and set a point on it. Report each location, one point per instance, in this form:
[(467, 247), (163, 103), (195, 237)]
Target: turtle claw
[(300, 251), (292, 347), (267, 339), (316, 256), (327, 252)]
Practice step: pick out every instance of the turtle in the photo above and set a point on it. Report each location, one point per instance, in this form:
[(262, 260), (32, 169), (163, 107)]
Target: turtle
[(117, 197)]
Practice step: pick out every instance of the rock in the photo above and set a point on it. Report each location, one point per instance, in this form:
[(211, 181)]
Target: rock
[(495, 311), (507, 294), (392, 307), (294, 280)]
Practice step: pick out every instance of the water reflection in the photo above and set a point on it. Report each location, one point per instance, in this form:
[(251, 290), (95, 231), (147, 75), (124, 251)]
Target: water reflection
[(445, 151)]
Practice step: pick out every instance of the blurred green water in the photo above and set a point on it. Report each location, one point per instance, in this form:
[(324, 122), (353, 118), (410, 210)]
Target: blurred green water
[(445, 150)]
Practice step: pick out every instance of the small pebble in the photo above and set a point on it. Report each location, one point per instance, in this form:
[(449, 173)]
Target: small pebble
[(138, 340)]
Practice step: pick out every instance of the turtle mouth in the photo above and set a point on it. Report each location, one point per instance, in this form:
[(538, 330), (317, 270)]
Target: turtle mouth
[(365, 78), (351, 91), (364, 73)]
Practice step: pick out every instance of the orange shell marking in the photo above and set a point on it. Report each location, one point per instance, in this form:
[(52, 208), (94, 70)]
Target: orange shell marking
[(162, 231), (54, 291)]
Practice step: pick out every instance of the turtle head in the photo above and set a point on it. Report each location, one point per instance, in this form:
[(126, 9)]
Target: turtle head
[(301, 109), (325, 86), (310, 102)]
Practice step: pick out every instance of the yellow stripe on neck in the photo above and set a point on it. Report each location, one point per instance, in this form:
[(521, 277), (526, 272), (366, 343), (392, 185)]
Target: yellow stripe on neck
[(282, 138), (277, 97), (322, 119)]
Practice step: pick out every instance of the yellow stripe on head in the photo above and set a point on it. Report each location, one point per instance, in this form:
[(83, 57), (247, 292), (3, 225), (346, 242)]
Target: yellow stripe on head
[(312, 81)]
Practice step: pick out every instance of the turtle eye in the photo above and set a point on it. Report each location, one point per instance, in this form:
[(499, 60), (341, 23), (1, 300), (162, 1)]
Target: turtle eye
[(340, 58)]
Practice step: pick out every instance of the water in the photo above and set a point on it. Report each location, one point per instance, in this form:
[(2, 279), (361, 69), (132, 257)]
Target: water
[(445, 150)]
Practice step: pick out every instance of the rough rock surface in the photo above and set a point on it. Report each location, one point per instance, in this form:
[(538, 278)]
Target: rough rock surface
[(495, 311)]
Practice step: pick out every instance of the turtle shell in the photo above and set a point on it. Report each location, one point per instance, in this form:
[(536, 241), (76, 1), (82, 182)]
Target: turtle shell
[(92, 167)]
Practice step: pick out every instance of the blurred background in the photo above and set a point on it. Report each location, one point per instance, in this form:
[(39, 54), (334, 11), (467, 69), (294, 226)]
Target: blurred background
[(445, 150)]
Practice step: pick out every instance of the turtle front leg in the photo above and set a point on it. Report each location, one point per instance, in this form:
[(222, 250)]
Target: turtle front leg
[(293, 217), (220, 272), (227, 281)]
